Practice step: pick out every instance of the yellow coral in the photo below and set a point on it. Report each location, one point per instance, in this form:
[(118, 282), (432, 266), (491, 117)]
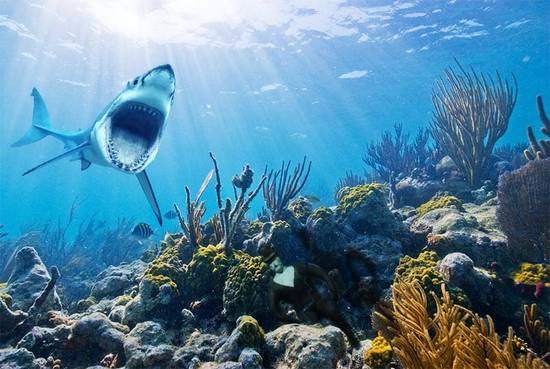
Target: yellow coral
[(379, 354), (438, 203), (423, 269), (531, 274), (168, 268)]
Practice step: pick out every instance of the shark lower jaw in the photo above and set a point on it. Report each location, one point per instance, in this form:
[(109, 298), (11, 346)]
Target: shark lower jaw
[(132, 135)]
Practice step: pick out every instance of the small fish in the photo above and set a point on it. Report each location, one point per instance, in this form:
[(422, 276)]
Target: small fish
[(171, 214), (312, 198), (142, 230), (538, 289)]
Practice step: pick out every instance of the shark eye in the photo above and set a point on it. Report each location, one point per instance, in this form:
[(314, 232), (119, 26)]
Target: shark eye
[(135, 81)]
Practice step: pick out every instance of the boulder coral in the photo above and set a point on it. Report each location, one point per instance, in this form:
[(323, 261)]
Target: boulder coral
[(245, 290), (207, 272), (365, 209)]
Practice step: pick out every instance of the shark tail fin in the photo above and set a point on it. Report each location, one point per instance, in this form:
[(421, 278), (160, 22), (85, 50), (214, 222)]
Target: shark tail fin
[(41, 122)]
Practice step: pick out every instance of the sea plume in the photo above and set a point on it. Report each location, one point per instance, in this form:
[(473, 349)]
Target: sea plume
[(451, 338)]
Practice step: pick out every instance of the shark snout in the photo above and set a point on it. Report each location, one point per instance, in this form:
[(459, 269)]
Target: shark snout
[(161, 77)]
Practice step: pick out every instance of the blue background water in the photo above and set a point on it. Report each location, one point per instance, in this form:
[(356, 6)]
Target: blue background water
[(257, 83)]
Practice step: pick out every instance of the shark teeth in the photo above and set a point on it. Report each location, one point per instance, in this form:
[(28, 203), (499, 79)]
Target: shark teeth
[(141, 108)]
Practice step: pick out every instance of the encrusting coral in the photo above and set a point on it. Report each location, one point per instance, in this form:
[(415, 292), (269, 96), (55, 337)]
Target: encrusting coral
[(352, 197), (439, 202), (168, 268), (423, 269), (531, 274), (379, 355), (451, 338)]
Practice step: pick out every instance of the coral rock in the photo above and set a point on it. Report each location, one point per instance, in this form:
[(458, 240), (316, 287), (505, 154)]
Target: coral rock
[(295, 346), (248, 333), (17, 359), (27, 281), (147, 346), (114, 280)]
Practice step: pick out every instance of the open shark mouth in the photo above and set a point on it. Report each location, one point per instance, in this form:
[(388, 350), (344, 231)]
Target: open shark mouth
[(132, 133)]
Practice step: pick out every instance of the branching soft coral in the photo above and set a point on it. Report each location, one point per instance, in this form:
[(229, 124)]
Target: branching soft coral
[(451, 338)]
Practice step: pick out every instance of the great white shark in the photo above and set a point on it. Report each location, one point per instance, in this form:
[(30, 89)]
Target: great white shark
[(126, 134)]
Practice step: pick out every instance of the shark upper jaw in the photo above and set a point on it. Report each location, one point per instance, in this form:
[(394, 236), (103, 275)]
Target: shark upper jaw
[(131, 129)]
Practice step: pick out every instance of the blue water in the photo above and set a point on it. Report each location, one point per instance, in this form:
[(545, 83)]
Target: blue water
[(256, 83)]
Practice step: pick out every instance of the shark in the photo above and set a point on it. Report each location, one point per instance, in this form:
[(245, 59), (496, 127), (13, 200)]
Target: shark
[(125, 136)]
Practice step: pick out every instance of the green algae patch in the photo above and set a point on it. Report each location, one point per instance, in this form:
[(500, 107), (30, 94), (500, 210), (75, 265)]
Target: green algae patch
[(353, 197), (323, 213), (438, 203)]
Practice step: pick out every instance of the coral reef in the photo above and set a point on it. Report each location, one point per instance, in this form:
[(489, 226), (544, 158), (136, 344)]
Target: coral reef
[(424, 270), (295, 346), (541, 149), (350, 179), (523, 210), (473, 231), (247, 334), (471, 112)]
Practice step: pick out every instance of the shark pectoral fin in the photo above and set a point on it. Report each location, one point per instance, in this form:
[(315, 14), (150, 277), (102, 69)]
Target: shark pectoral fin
[(148, 190), (61, 156), (84, 164)]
